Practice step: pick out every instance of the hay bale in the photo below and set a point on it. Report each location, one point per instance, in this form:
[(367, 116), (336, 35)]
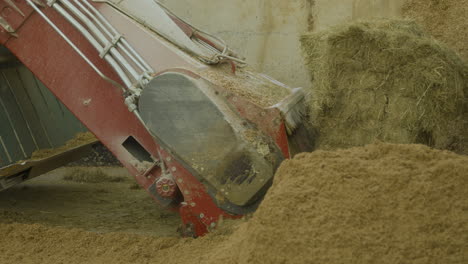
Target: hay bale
[(445, 20), (385, 80)]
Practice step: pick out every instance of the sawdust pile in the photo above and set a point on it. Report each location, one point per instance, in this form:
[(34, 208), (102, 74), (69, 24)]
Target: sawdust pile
[(382, 203), (40, 244), (79, 140), (386, 80), (446, 20)]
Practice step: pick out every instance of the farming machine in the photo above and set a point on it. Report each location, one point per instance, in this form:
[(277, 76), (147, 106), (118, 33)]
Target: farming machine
[(199, 130)]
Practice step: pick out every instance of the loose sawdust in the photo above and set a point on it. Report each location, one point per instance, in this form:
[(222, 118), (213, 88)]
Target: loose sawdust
[(100, 207), (79, 140), (446, 20), (381, 203), (386, 80)]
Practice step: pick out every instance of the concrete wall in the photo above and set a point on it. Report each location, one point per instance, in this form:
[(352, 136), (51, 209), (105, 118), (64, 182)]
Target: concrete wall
[(267, 32), (331, 12)]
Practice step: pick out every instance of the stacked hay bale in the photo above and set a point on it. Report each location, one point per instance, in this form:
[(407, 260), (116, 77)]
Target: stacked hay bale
[(386, 80)]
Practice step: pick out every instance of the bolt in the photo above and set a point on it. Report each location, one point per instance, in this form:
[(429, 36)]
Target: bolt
[(202, 215), (180, 180), (86, 102), (213, 225), (193, 204), (173, 168), (168, 159), (186, 192)]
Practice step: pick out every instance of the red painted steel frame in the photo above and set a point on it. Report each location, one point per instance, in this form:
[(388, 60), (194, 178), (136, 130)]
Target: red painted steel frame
[(74, 82)]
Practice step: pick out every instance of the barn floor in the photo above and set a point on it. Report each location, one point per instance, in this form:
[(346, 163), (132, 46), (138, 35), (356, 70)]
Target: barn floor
[(112, 206)]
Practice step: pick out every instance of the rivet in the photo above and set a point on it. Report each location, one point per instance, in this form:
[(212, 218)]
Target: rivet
[(202, 215), (173, 168), (168, 159), (180, 180)]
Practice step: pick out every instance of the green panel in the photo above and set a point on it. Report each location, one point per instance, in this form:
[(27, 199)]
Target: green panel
[(67, 122), (9, 140), (48, 114), (3, 156), (31, 117), (13, 113)]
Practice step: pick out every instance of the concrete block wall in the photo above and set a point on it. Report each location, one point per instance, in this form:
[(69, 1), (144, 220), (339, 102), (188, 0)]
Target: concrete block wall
[(267, 32)]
